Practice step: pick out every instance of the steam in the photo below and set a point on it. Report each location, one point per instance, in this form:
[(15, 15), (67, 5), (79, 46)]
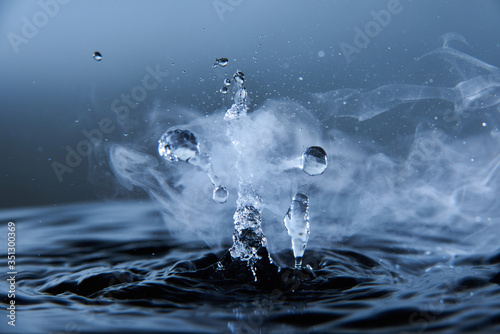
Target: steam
[(444, 187)]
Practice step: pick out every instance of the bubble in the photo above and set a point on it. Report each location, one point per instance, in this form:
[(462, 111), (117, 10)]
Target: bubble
[(321, 53), (178, 145), (220, 194), (223, 90), (227, 82), (97, 56), (314, 161)]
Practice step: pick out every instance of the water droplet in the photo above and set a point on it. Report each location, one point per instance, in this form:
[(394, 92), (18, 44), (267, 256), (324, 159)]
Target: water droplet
[(220, 61), (223, 61), (296, 221), (125, 134), (314, 160), (321, 53), (239, 77), (177, 145), (223, 90), (97, 56), (301, 78), (227, 82), (220, 194), (485, 124)]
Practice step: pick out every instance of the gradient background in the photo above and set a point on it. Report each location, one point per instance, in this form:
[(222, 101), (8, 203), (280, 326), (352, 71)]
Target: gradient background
[(52, 89)]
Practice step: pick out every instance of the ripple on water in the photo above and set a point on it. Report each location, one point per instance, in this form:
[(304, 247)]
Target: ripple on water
[(128, 268)]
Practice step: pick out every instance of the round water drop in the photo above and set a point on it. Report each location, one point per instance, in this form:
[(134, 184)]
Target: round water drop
[(314, 160), (223, 90), (321, 53), (97, 56), (175, 145), (227, 82), (484, 124), (220, 194)]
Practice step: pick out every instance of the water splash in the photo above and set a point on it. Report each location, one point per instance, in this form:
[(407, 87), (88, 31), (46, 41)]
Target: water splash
[(239, 106), (378, 184), (248, 237), (296, 222)]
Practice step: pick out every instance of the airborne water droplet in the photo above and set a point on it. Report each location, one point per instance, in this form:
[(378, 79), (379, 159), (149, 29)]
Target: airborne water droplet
[(314, 160), (222, 61), (227, 82), (97, 56), (223, 90), (177, 145), (220, 194)]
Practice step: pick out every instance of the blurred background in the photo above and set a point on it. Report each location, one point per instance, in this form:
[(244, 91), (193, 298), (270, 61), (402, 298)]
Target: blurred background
[(159, 55)]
